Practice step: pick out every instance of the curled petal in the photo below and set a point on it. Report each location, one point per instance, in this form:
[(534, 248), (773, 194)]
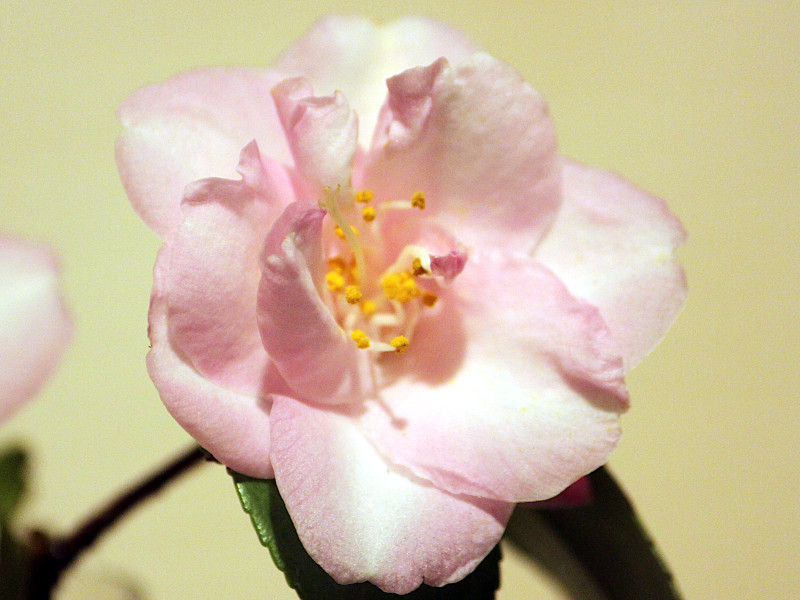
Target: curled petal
[(479, 141), (234, 427), (408, 106), (614, 245), (211, 281), (512, 391), (321, 132), (448, 265), (363, 520), (352, 54), (35, 328), (314, 355), (192, 127)]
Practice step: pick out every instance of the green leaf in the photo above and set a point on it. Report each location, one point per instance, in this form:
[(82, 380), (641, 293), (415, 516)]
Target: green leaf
[(13, 481), (262, 501), (605, 537)]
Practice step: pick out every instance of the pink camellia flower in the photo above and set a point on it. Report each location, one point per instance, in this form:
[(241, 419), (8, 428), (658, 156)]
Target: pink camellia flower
[(407, 308), (34, 325)]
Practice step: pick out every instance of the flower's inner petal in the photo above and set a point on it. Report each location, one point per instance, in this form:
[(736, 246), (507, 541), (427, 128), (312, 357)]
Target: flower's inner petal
[(479, 141), (513, 393), (361, 519), (310, 349), (322, 133)]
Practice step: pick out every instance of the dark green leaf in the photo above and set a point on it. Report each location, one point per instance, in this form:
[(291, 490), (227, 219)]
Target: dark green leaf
[(262, 501), (13, 475), (529, 532), (606, 538)]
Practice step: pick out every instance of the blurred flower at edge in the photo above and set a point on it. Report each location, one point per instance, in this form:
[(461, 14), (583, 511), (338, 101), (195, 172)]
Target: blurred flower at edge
[(35, 327)]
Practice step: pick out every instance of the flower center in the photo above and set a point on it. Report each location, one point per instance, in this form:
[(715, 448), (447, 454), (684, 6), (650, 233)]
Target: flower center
[(377, 306)]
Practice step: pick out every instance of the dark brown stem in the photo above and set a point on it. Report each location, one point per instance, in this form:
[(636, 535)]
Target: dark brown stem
[(52, 557)]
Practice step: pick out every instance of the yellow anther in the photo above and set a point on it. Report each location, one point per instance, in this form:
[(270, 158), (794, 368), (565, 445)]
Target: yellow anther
[(335, 281), (408, 291), (400, 344), (368, 307), (417, 268), (340, 234), (360, 338), (337, 265), (365, 196), (338, 231), (368, 214), (391, 284), (429, 299), (400, 286), (418, 200), (352, 294)]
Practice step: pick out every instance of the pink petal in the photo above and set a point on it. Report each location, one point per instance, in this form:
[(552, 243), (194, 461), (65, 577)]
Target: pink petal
[(512, 391), (355, 56), (192, 127), (312, 352), (211, 281), (362, 519), (234, 427), (614, 245), (479, 142), (35, 328), (449, 265), (321, 132), (400, 228)]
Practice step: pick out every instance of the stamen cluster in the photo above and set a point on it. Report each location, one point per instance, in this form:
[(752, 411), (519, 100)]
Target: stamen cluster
[(369, 302)]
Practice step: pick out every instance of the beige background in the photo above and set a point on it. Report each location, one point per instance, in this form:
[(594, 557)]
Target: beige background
[(697, 102)]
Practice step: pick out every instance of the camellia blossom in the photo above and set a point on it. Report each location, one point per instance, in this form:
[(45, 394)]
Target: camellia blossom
[(391, 295), (35, 328)]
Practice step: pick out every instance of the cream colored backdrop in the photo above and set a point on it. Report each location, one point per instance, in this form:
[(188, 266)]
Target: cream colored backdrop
[(696, 101)]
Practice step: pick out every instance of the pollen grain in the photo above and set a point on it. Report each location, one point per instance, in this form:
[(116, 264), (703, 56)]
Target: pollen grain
[(352, 294), (360, 338), (400, 344), (335, 281)]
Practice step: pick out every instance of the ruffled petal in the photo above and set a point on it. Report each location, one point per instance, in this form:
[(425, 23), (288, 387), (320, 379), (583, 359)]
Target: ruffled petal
[(479, 142), (35, 328), (214, 271), (322, 134), (192, 127), (355, 56), (314, 355), (614, 245), (363, 520), (234, 427), (511, 391)]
